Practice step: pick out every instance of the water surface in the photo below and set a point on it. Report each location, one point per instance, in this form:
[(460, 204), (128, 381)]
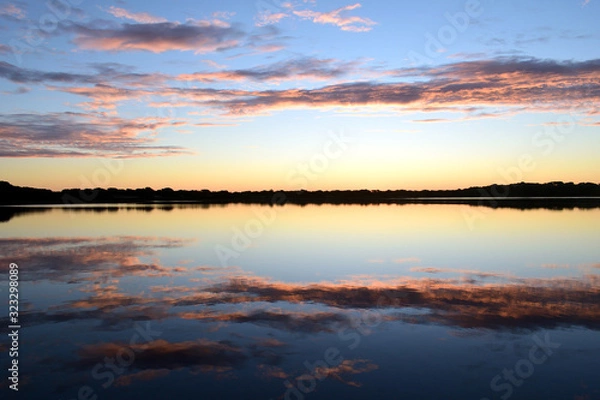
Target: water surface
[(416, 301)]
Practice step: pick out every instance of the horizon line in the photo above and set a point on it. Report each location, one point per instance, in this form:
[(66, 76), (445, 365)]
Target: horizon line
[(303, 189)]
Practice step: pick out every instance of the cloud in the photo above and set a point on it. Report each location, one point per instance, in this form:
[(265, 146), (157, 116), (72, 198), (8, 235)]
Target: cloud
[(156, 359), (158, 37), (431, 120), (82, 135), (77, 260), (4, 49), (479, 274), (523, 304), (338, 372), (12, 11), (214, 64), (198, 355), (291, 321), (231, 296), (476, 89), (24, 75), (268, 18), (143, 18), (335, 17), (145, 375), (105, 72), (518, 67), (103, 96), (297, 69), (19, 90), (266, 39), (407, 260), (530, 84), (269, 372), (223, 15)]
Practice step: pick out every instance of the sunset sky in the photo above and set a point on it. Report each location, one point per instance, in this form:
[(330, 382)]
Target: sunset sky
[(301, 94)]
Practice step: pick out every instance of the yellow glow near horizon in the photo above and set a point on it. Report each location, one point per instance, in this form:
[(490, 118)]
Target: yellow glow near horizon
[(341, 174)]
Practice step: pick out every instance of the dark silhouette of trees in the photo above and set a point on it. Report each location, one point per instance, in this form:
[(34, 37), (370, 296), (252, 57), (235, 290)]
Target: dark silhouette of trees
[(518, 194)]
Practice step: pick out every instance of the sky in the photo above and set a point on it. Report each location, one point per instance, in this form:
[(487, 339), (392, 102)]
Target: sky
[(304, 94)]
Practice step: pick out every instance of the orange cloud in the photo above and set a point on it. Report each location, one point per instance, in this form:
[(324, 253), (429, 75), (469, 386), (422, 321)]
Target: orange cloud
[(346, 367), (271, 372), (518, 303), (146, 375), (160, 355), (78, 260)]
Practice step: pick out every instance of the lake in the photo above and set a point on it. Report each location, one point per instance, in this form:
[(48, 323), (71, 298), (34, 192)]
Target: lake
[(414, 301)]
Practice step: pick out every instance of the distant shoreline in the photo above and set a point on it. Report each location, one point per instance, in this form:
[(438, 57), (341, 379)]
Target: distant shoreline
[(518, 194)]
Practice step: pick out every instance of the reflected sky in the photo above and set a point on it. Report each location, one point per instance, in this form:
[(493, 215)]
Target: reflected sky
[(305, 302)]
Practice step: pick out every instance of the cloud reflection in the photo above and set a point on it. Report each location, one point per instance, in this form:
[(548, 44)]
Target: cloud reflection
[(75, 260), (220, 296), (228, 303)]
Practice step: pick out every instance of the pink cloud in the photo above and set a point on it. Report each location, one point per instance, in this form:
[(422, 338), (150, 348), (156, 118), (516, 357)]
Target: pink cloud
[(269, 18), (83, 135), (297, 69), (159, 37), (335, 17), (143, 18), (12, 11)]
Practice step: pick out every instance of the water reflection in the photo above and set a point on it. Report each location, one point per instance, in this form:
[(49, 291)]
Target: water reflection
[(148, 314), (519, 203), (100, 263)]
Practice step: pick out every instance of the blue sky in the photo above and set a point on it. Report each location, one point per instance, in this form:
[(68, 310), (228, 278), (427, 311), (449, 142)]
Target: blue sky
[(244, 95)]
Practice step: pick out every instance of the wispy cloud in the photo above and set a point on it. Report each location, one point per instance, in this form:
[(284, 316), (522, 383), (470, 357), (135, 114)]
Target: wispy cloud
[(12, 11), (339, 18), (214, 64), (141, 17), (23, 75), (268, 18), (19, 90), (224, 15), (297, 69), (407, 260), (103, 73)]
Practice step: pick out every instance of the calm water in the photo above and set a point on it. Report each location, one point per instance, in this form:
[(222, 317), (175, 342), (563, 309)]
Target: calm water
[(315, 302)]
